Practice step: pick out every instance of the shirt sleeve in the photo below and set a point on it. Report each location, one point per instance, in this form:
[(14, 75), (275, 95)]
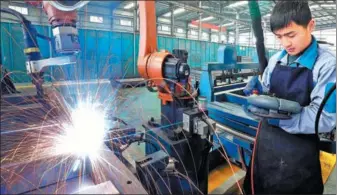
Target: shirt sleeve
[(304, 122)]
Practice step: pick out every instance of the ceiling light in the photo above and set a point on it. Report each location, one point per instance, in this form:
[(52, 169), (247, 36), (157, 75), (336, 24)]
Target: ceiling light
[(208, 18), (314, 6), (328, 5), (228, 24), (240, 3), (177, 11), (130, 5), (165, 20)]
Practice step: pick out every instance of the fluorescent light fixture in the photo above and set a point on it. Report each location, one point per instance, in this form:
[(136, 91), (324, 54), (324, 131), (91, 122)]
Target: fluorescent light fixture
[(237, 4), (328, 5), (208, 18), (228, 24), (177, 11), (314, 6), (129, 6), (164, 20)]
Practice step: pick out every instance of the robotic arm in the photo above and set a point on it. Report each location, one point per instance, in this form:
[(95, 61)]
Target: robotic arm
[(62, 16), (161, 68), (164, 71)]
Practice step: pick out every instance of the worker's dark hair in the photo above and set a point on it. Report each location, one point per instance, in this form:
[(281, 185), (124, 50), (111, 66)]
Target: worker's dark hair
[(286, 12)]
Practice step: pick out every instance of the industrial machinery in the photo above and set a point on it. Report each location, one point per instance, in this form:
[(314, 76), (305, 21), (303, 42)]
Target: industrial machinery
[(198, 117), (183, 130), (65, 41), (181, 136)]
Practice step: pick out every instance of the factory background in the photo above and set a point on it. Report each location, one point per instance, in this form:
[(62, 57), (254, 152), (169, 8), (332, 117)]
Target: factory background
[(109, 36), (109, 41)]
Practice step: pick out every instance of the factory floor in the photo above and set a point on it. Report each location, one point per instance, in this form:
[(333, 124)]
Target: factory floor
[(138, 105)]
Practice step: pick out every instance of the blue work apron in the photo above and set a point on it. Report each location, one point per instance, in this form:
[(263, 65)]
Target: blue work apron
[(285, 163)]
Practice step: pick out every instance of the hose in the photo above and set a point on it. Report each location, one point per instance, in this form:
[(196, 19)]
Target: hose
[(320, 109), (255, 15)]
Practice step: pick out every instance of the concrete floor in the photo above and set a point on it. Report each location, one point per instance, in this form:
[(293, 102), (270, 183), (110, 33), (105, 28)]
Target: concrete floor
[(138, 105)]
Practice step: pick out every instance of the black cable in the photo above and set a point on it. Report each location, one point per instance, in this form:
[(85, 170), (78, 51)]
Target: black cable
[(11, 19), (139, 139), (320, 109), (22, 18), (255, 15)]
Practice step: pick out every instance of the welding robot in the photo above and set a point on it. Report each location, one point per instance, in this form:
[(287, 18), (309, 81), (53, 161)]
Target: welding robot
[(183, 131), (64, 42), (179, 142)]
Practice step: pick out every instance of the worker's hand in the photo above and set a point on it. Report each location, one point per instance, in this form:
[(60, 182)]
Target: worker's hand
[(253, 85)]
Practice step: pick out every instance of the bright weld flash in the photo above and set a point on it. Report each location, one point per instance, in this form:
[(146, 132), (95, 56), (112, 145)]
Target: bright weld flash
[(85, 136)]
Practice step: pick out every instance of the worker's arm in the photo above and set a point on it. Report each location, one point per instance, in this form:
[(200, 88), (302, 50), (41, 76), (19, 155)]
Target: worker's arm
[(304, 122)]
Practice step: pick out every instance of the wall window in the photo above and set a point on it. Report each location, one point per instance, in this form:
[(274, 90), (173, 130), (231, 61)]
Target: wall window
[(180, 30), (22, 10), (126, 23), (165, 28), (222, 38), (96, 19), (205, 36), (214, 38), (193, 32)]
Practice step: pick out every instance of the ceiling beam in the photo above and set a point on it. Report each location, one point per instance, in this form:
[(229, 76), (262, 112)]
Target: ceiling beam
[(163, 11), (326, 10), (214, 14)]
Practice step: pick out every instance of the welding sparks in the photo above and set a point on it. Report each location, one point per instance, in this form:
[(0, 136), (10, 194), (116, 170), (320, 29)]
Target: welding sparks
[(85, 135)]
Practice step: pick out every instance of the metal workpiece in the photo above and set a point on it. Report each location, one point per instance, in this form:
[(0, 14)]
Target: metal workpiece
[(38, 66), (116, 172), (273, 107), (235, 133), (46, 178)]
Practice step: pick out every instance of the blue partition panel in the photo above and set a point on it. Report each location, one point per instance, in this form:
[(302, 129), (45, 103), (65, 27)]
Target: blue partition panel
[(104, 54)]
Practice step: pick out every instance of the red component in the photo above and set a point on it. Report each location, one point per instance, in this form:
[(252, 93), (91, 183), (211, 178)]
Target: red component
[(57, 17), (208, 26), (256, 92), (34, 3)]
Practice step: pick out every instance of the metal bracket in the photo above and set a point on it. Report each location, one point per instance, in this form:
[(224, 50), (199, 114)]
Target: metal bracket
[(37, 66)]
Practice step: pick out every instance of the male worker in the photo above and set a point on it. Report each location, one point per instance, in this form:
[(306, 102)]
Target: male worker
[(285, 158)]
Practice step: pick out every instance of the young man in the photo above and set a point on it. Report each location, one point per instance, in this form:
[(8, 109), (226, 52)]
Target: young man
[(285, 158)]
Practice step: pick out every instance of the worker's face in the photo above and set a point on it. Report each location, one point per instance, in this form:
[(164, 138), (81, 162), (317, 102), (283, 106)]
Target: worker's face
[(295, 38)]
